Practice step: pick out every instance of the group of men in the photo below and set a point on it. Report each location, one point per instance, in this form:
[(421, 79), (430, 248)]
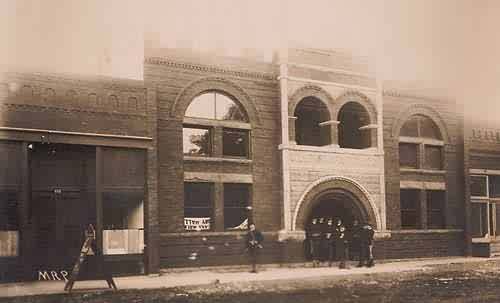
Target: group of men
[(329, 240)]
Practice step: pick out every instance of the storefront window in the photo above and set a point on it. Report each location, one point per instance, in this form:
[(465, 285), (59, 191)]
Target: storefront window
[(235, 143), (409, 203), (198, 206), (9, 234), (408, 155), (478, 186), (196, 141), (435, 209), (236, 201), (480, 220)]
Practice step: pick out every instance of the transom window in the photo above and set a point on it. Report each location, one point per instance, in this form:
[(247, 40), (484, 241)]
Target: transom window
[(420, 144), (215, 125)]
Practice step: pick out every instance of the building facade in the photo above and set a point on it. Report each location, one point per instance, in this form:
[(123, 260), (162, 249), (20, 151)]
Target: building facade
[(172, 169)]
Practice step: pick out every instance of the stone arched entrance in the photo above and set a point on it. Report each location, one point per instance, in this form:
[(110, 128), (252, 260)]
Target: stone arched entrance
[(335, 197)]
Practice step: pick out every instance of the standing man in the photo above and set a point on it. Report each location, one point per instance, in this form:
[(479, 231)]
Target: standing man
[(254, 241), (354, 244), (315, 236), (366, 243), (330, 235), (340, 243)]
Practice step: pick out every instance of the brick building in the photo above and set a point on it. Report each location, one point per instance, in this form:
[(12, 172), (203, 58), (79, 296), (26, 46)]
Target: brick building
[(171, 169)]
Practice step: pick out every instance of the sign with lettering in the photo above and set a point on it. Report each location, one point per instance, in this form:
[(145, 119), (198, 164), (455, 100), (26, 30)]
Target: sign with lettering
[(88, 248), (486, 134), (197, 223)]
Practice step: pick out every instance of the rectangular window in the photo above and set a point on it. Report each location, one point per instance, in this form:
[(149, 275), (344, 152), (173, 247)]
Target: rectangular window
[(196, 141), (235, 143), (433, 157), (410, 208), (123, 222), (9, 234), (236, 201), (494, 186), (435, 209), (478, 186), (198, 206), (479, 219), (408, 155)]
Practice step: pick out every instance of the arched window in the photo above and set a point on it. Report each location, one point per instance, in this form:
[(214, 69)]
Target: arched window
[(216, 125), (309, 130), (353, 117), (420, 144)]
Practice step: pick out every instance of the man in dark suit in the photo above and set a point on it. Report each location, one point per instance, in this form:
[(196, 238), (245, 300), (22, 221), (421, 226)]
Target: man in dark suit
[(254, 241), (366, 243)]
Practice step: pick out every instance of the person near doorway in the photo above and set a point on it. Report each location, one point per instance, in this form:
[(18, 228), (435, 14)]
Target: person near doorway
[(330, 238), (315, 241), (366, 246), (354, 241), (323, 245), (254, 241), (340, 243)]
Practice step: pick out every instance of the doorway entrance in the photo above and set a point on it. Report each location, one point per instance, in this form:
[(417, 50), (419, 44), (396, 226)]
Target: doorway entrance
[(62, 202)]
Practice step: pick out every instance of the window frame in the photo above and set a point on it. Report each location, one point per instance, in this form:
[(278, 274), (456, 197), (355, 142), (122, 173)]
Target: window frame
[(211, 207), (431, 211), (246, 208), (216, 128), (416, 210)]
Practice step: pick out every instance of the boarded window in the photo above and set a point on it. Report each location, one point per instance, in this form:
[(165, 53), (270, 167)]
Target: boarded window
[(410, 206), (478, 187), (198, 206), (433, 157), (408, 155), (235, 143), (236, 201), (435, 209), (196, 141)]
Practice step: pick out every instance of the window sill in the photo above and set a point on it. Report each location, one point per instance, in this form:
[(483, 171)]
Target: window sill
[(217, 159), (333, 148), (423, 171)]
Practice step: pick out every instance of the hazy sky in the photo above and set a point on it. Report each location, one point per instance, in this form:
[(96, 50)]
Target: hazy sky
[(448, 44)]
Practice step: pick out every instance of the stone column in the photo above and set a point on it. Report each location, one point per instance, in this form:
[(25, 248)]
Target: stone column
[(291, 129), (334, 131)]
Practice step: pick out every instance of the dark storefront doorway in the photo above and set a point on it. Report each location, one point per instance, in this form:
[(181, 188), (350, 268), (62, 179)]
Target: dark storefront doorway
[(336, 205), (62, 202)]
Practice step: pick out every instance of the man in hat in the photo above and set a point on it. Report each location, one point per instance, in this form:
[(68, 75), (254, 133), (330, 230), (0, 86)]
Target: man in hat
[(254, 241), (366, 246)]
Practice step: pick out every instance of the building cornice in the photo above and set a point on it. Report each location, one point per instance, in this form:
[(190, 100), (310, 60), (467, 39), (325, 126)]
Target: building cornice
[(211, 69), (401, 94)]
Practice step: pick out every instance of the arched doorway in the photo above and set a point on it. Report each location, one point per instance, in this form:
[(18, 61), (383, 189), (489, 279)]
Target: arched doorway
[(335, 196), (336, 204)]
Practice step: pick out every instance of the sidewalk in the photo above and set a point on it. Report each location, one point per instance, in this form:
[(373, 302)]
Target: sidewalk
[(178, 278)]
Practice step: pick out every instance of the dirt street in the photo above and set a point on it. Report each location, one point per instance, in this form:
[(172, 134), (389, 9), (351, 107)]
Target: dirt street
[(470, 282)]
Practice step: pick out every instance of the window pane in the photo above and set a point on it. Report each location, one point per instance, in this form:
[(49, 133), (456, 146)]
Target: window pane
[(479, 220), (497, 228), (235, 143), (410, 206), (494, 188), (227, 109), (478, 186), (198, 203), (236, 200), (196, 141), (410, 128), (435, 209), (408, 155), (202, 106), (433, 159), (9, 236), (428, 129), (123, 222)]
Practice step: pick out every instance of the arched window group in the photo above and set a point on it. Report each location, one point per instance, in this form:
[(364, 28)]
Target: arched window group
[(314, 125)]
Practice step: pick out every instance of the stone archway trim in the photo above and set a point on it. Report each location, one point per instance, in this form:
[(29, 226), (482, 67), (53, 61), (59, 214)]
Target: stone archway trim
[(312, 186), (358, 97), (310, 91), (420, 109)]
